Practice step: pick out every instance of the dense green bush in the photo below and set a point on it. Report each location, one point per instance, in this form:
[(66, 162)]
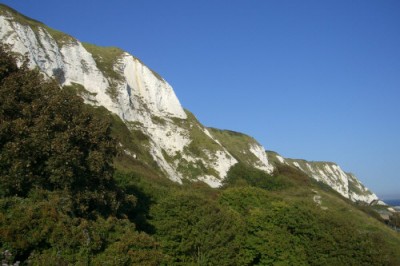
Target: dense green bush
[(49, 139), (300, 233), (241, 174), (195, 230), (40, 229)]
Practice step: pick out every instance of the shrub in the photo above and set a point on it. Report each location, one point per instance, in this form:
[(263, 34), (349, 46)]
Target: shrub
[(50, 139)]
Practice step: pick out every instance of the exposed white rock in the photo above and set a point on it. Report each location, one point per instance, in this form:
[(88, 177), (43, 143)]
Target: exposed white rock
[(380, 202), (132, 154), (223, 162), (69, 64), (140, 94), (210, 180), (332, 175), (263, 163), (143, 86), (298, 165), (327, 173), (280, 159), (72, 63), (142, 97), (205, 130), (309, 168), (23, 39), (361, 193), (169, 136), (318, 200), (163, 164)]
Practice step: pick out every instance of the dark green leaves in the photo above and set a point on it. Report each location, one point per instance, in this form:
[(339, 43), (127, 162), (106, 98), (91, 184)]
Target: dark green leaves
[(50, 139)]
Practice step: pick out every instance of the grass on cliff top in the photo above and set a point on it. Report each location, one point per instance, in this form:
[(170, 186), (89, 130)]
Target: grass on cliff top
[(60, 37), (18, 17), (238, 144), (106, 58)]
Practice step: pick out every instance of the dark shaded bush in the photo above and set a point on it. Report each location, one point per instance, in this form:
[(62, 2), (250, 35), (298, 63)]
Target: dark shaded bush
[(50, 139), (40, 229), (241, 174), (194, 230)]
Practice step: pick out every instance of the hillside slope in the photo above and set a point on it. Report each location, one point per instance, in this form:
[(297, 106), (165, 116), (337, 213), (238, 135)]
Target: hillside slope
[(107, 76), (346, 184), (80, 186)]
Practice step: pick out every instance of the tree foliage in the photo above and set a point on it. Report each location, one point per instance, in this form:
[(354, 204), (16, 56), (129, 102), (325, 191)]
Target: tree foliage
[(195, 230), (59, 203), (40, 229), (50, 139)]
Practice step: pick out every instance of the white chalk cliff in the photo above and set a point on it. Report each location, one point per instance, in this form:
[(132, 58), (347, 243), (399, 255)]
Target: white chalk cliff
[(132, 91), (332, 175), (121, 83)]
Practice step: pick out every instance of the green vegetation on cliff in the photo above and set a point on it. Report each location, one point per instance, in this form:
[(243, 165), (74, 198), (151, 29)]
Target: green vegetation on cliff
[(70, 194)]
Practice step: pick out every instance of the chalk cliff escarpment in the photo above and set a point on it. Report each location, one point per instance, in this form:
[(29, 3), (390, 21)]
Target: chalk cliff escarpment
[(179, 144), (346, 184)]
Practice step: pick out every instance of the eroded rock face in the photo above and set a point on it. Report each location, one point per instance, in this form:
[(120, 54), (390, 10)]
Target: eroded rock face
[(137, 88), (332, 175), (121, 83)]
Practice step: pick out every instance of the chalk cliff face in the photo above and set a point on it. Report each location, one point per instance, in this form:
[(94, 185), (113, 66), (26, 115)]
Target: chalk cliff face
[(181, 146), (121, 83), (136, 89), (332, 175)]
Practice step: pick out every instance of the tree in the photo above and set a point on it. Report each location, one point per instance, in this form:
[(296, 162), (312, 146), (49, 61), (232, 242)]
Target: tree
[(49, 139)]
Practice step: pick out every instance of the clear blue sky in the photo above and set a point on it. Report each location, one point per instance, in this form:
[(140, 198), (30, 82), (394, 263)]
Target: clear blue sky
[(318, 80)]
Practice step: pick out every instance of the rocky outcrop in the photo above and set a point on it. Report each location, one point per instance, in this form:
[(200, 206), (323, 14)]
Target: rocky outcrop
[(332, 175)]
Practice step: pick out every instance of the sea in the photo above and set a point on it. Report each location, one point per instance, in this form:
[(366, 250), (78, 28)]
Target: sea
[(393, 202)]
